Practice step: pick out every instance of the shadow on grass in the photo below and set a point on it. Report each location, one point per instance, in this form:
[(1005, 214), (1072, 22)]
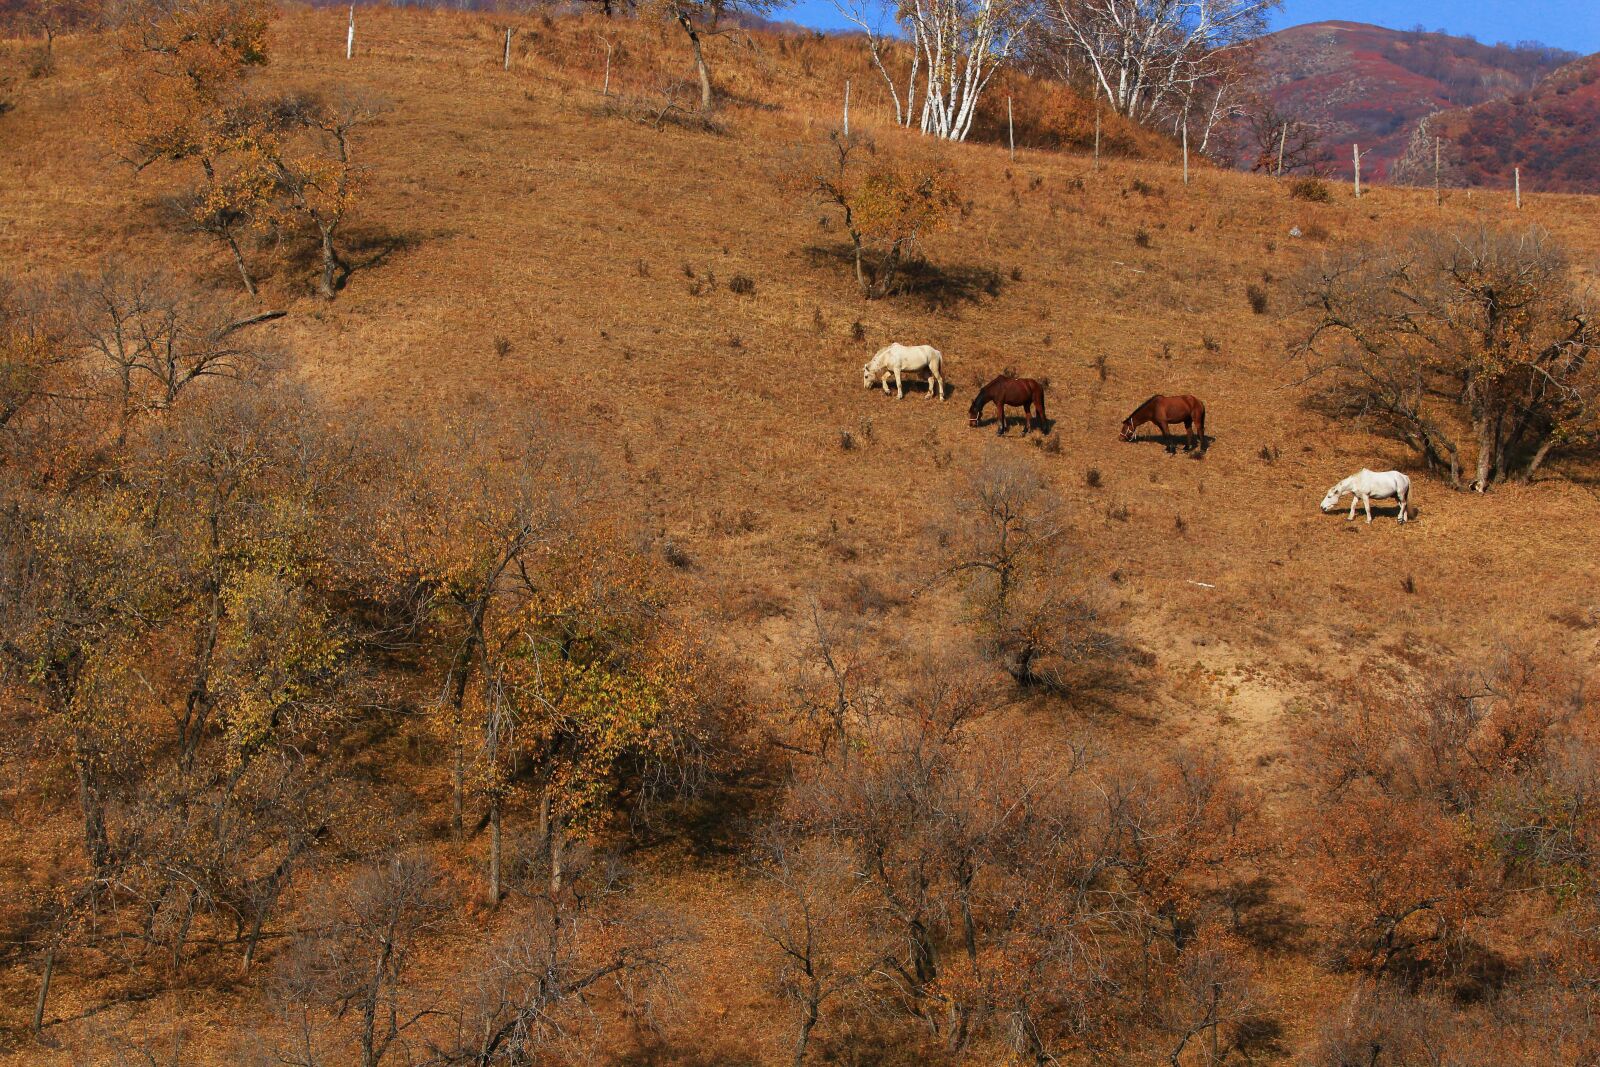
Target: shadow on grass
[(939, 287)]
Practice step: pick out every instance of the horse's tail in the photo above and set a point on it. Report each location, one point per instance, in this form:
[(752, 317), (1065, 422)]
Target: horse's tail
[(1201, 419), (1040, 399)]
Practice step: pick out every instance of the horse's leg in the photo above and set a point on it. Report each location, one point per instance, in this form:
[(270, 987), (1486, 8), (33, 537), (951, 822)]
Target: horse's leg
[(899, 387), (1166, 436), (1404, 505), (1000, 410), (1355, 502), (1366, 502)]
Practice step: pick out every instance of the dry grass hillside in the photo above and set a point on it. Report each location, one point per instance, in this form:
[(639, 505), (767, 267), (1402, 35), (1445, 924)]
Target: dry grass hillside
[(543, 250)]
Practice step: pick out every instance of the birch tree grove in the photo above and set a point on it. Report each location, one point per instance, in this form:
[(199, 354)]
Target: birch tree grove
[(955, 46), (1146, 55)]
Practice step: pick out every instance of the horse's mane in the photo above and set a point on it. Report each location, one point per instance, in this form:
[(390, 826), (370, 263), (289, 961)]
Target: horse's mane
[(1153, 398)]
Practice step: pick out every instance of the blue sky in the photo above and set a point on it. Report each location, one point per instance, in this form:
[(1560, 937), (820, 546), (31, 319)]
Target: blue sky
[(1571, 24)]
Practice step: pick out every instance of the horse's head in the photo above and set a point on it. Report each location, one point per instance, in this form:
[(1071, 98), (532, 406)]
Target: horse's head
[(866, 375), (1331, 500), (975, 409), (1128, 433)]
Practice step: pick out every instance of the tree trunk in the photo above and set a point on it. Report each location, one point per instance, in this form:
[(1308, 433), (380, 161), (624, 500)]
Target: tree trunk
[(1538, 458), (96, 842), (1486, 448), (332, 265), (458, 786), (182, 936), (494, 849), (557, 847), (238, 261), (370, 1054), (700, 67), (808, 1022)]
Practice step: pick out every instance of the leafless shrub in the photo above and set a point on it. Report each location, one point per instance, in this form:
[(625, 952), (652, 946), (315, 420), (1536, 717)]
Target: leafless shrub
[(741, 285), (1025, 582), (356, 960), (675, 555), (1257, 296), (1313, 189)]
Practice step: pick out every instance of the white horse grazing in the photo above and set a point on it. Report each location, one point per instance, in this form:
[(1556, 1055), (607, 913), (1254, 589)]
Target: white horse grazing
[(900, 359), (1365, 485)]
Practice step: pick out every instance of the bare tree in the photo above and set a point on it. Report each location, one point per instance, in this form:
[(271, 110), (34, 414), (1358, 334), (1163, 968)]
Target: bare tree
[(821, 943), (539, 987), (1147, 56), (1213, 992), (698, 19), (1480, 336), (871, 16), (962, 43), (152, 339), (830, 689), (358, 957), (1032, 606), (1280, 143)]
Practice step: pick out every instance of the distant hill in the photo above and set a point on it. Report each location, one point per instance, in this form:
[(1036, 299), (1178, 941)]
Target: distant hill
[(1552, 132), (1373, 86)]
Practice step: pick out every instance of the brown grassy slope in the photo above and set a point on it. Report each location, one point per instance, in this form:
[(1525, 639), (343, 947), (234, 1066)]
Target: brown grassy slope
[(532, 215)]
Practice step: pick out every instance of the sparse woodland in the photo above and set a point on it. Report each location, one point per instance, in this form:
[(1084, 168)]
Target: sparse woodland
[(459, 606)]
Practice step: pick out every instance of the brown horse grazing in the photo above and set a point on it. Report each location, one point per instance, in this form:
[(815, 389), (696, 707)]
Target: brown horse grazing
[(1005, 391), (1163, 410)]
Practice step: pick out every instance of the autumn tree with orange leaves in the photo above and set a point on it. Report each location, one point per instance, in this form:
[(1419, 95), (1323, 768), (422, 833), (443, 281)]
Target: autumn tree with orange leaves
[(886, 204), (268, 165), (561, 676)]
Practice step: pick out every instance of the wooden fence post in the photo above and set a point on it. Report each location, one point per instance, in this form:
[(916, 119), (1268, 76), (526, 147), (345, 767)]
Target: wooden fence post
[(1283, 136), (1097, 129), (44, 989), (1517, 176), (1011, 131), (1436, 198), (1186, 150), (350, 34), (1355, 155), (847, 107), (507, 64)]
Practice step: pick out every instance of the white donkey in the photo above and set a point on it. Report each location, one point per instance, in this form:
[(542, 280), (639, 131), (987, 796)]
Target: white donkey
[(900, 359), (1364, 485)]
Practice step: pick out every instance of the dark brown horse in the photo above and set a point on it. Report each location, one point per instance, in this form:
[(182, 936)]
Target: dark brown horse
[(1163, 410), (1005, 391)]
